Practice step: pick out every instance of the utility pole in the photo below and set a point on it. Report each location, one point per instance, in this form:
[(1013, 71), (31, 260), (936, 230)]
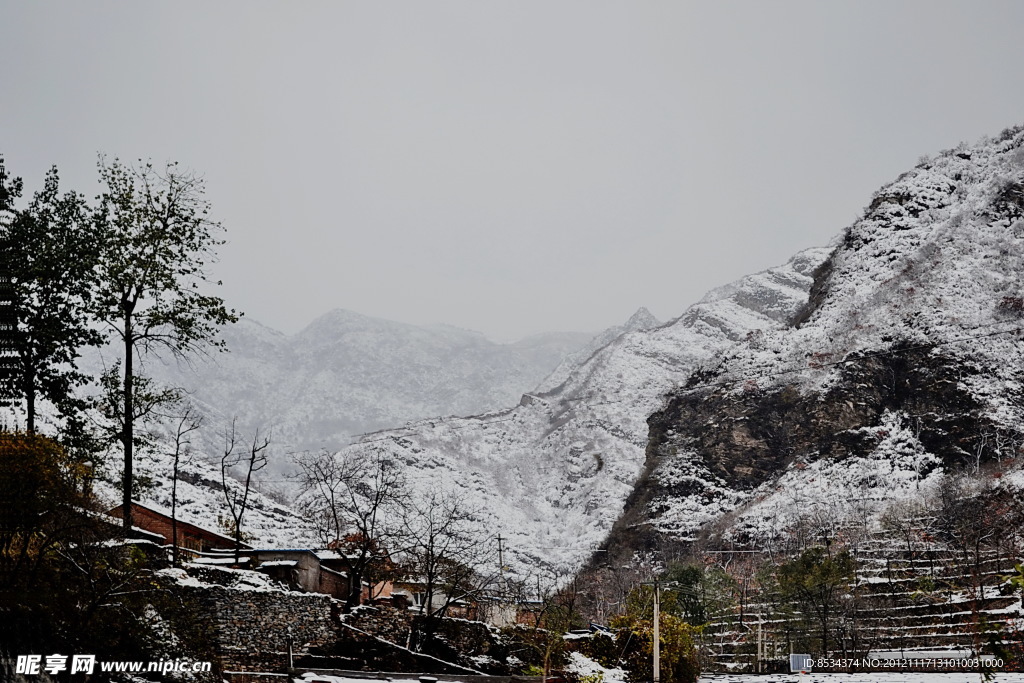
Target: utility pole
[(656, 635), (760, 644), (501, 564), (657, 631), (291, 654)]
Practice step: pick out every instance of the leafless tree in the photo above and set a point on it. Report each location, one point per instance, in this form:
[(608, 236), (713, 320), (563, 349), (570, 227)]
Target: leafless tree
[(979, 450), (445, 546), (252, 460), (189, 421), (557, 599), (354, 503)]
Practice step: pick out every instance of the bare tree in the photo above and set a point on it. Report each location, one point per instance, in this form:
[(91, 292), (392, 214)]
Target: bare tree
[(445, 546), (188, 422), (979, 450), (353, 502), (558, 610), (253, 460)]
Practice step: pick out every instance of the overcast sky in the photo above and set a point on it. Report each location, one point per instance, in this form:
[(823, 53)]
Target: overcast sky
[(508, 167)]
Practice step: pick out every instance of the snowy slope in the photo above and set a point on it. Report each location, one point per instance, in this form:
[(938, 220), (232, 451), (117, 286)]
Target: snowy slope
[(551, 474), (344, 374), (639, 321), (907, 363), (933, 266), (348, 374), (200, 499)]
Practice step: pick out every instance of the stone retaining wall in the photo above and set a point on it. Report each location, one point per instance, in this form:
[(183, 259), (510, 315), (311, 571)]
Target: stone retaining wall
[(251, 627), (384, 622)]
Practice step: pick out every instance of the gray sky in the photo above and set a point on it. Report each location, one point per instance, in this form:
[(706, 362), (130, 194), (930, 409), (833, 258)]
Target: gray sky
[(510, 167)]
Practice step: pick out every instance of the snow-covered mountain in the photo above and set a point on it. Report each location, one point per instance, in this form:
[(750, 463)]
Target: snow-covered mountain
[(347, 374), (906, 364), (639, 321), (848, 378), (551, 474), (858, 372)]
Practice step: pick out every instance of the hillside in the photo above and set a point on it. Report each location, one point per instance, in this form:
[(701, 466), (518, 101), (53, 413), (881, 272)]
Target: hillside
[(906, 365), (342, 375), (848, 378), (347, 374), (551, 474)]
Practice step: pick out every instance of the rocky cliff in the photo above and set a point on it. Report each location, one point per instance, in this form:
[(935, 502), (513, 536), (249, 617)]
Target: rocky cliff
[(906, 364)]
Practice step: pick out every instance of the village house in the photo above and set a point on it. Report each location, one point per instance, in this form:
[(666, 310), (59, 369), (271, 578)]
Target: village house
[(190, 537), (313, 571), (413, 592), (299, 569), (377, 593)]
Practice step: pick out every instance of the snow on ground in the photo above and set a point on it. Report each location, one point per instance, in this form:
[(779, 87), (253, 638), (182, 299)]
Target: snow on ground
[(877, 677), (857, 487), (200, 500), (584, 666)]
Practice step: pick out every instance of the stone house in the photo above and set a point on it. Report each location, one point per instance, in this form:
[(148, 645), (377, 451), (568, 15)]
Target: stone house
[(378, 593), (299, 569)]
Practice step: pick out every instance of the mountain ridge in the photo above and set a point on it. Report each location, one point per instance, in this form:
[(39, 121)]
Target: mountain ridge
[(551, 473), (795, 385), (346, 374), (906, 366)]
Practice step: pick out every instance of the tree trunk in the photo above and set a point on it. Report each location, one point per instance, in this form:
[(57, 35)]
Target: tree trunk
[(175, 560), (30, 403), (355, 590), (824, 634), (128, 432)]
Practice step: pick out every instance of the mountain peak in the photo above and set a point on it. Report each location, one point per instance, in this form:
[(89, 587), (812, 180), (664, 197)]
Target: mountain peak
[(642, 320)]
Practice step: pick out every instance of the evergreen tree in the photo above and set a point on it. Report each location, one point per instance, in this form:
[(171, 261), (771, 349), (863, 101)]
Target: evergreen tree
[(48, 251), (10, 189), (818, 582)]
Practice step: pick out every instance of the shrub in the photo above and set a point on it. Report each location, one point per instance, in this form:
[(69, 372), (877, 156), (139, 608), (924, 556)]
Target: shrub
[(679, 662)]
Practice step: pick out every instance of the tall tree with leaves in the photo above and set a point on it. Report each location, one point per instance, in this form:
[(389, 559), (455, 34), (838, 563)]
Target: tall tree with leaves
[(817, 582), (10, 190), (157, 237), (49, 251)]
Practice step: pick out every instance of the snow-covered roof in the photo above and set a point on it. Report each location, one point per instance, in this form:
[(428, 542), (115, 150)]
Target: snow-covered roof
[(214, 560)]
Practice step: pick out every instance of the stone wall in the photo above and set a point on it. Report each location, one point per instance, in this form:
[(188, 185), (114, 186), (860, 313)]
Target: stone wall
[(251, 628), (247, 619), (469, 638), (384, 622)]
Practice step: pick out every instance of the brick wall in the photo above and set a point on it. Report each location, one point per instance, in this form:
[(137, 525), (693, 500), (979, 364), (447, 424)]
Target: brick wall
[(189, 535)]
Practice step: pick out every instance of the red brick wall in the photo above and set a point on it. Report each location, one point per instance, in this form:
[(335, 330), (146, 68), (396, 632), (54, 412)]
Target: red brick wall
[(189, 536)]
